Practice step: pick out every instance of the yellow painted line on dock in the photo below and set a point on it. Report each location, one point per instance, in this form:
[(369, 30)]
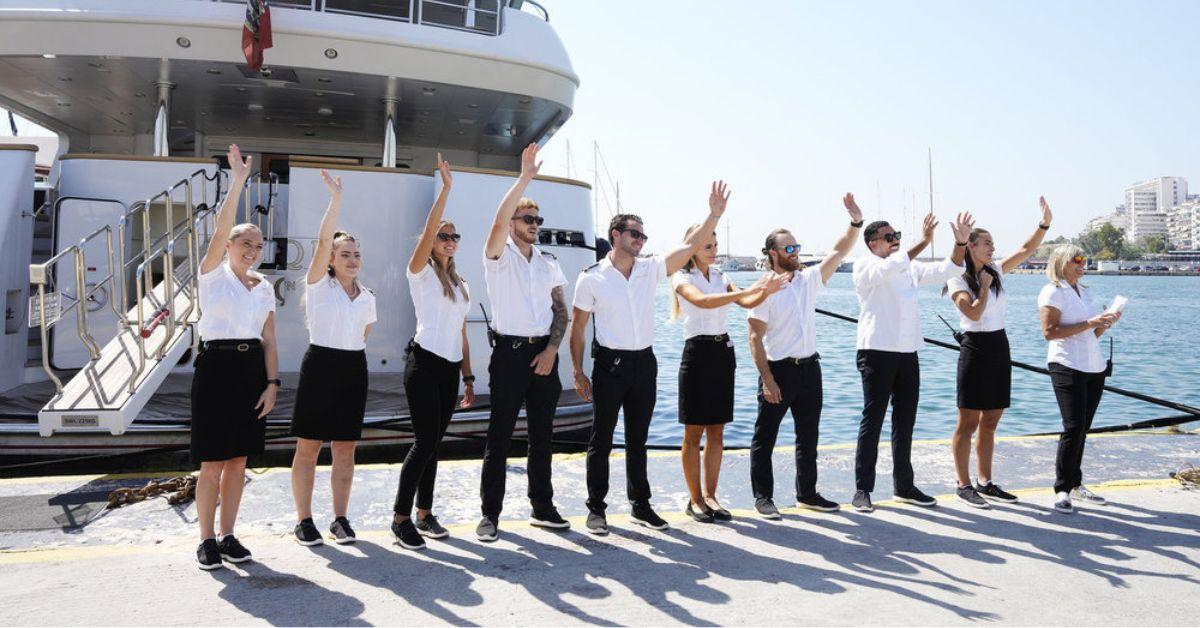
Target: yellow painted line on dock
[(183, 546)]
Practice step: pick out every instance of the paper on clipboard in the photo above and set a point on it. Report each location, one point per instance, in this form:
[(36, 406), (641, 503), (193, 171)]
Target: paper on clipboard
[(1117, 305)]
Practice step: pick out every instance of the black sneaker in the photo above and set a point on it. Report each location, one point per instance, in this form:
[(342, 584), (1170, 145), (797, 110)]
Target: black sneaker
[(488, 530), (597, 524), (766, 509), (307, 533), (818, 503), (208, 555), (548, 518), (862, 502), (342, 533), (703, 516), (232, 549), (970, 497), (407, 536), (644, 515), (993, 492), (915, 497), (429, 527)]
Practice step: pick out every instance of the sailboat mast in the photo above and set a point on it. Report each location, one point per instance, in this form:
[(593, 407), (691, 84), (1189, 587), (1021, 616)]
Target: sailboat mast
[(930, 155)]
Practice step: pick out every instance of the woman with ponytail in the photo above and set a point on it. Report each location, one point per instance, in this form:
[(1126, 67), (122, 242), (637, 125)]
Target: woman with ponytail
[(984, 367), (436, 356), (332, 395), (701, 297)]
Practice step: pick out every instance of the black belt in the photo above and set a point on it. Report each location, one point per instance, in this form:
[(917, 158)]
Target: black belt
[(707, 338), (799, 361), (230, 345), (517, 341), (598, 350)]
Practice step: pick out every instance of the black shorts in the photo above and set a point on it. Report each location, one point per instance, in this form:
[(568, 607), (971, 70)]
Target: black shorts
[(332, 396), (706, 381), (225, 388), (984, 371)]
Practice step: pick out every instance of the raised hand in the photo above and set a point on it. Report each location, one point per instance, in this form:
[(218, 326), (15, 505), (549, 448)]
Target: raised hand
[(852, 207), (529, 162), (444, 169), (238, 166), (962, 226), (334, 184), (1046, 215), (928, 225), (718, 198)]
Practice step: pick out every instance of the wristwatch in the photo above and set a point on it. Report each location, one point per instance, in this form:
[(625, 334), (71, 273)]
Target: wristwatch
[(1043, 227), (278, 382), (470, 379), (960, 244), (857, 225)]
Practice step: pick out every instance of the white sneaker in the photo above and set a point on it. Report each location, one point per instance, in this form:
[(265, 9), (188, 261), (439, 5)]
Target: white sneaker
[(1062, 502), (1083, 494)]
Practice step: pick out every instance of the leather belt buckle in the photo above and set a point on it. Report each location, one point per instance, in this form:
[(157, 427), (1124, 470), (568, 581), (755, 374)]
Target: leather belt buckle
[(243, 347)]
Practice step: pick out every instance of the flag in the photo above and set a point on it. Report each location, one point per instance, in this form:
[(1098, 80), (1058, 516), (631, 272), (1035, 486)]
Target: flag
[(256, 32)]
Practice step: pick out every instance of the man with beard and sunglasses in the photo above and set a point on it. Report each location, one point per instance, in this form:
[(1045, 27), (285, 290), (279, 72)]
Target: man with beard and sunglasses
[(889, 334), (619, 291), (783, 342), (525, 287)]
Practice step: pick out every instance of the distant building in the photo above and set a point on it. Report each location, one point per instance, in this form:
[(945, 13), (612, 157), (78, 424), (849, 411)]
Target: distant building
[(1147, 204), (1118, 218), (1183, 226)]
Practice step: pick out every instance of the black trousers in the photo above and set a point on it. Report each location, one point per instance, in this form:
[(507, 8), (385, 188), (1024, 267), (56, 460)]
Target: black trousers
[(621, 380), (1078, 395), (513, 382), (887, 377), (431, 385), (800, 391)]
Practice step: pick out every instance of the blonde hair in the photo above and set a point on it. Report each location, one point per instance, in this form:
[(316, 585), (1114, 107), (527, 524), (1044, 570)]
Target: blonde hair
[(687, 268), (448, 274), (242, 229), (1058, 261), (526, 203)]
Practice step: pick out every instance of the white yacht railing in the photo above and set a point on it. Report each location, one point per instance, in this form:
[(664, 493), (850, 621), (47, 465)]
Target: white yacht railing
[(475, 16)]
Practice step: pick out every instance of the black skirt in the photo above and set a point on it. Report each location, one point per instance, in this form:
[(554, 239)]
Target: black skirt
[(984, 371), (332, 396), (229, 379), (706, 381)]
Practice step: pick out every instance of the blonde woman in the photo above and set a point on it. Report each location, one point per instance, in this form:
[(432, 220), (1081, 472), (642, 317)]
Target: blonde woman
[(702, 295), (235, 382), (436, 357), (332, 395), (1072, 322)]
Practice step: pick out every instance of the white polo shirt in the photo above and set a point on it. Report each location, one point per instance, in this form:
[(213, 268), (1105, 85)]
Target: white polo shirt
[(1082, 351), (231, 311), (623, 308), (439, 320), (993, 311), (334, 320), (519, 290), (887, 296), (698, 321), (791, 317)]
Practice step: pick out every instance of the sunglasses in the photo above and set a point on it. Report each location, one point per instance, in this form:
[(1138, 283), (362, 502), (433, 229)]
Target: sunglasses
[(637, 235), (449, 237), (889, 237), (1079, 259), (530, 219), (789, 249)]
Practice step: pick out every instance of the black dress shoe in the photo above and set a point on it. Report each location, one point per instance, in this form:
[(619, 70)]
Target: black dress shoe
[(703, 516)]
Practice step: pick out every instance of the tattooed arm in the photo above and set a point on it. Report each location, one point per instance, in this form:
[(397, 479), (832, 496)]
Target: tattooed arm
[(543, 364)]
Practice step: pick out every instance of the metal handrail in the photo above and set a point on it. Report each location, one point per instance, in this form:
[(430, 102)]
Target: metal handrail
[(415, 13)]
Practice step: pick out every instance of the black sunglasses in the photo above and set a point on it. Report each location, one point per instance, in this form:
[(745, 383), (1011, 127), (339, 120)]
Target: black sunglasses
[(789, 249), (889, 237), (637, 235), (530, 219), (449, 237)]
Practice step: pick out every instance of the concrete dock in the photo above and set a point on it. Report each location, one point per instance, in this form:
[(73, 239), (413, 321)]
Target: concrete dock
[(1133, 562)]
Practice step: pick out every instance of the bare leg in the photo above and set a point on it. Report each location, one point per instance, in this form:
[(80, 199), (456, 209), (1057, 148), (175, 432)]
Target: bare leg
[(233, 480), (304, 468), (207, 487), (342, 476), (960, 443), (714, 449), (690, 454), (985, 443)]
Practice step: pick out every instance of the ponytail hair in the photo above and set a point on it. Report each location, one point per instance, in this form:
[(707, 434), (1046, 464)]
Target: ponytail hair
[(687, 268), (971, 274)]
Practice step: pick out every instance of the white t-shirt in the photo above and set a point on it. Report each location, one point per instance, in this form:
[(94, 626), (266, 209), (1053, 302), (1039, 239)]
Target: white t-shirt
[(698, 321), (231, 311), (334, 321), (439, 320), (519, 290), (993, 311), (791, 317), (1081, 351), (887, 297), (623, 308)]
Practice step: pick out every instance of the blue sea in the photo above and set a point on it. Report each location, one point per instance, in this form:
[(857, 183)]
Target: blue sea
[(1154, 354)]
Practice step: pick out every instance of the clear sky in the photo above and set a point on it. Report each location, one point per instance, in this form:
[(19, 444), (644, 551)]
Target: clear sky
[(795, 103)]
